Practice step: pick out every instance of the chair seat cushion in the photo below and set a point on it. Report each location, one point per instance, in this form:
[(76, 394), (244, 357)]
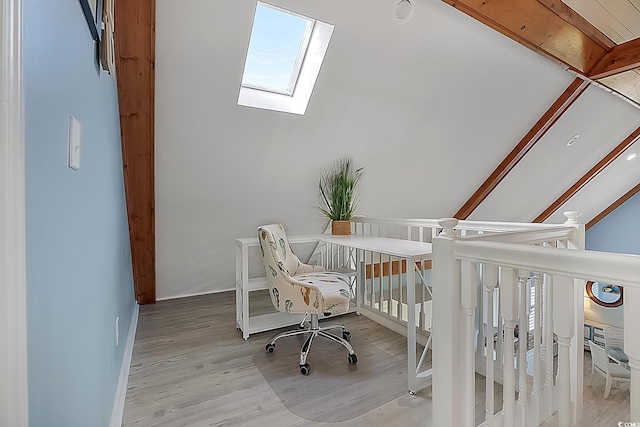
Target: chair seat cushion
[(618, 371), (334, 288)]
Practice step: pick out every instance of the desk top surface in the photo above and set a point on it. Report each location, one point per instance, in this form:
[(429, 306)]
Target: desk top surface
[(385, 245)]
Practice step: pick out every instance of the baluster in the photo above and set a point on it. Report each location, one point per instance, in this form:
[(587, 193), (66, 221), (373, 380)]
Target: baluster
[(536, 393), (500, 336), (509, 310), (401, 290), (522, 348), (384, 295), (421, 285), (489, 280), (371, 289), (632, 347), (479, 314), (563, 327), (381, 278), (469, 300), (547, 394)]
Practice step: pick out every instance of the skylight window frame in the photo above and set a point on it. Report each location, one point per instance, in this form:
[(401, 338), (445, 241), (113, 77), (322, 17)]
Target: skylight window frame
[(302, 52), (298, 102)]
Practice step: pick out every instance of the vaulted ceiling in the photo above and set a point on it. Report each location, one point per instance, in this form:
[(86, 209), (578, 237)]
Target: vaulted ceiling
[(486, 121), (599, 41)]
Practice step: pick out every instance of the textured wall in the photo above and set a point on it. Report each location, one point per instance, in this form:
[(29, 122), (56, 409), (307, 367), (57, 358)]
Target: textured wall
[(79, 275)]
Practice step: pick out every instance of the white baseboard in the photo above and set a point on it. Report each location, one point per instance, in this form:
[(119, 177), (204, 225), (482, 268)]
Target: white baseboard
[(195, 294), (121, 391)]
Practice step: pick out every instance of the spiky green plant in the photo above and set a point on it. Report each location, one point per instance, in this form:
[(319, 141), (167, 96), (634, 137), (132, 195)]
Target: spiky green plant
[(339, 190)]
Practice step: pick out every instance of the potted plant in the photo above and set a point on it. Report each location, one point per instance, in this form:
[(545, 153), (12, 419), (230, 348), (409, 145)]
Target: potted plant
[(339, 193)]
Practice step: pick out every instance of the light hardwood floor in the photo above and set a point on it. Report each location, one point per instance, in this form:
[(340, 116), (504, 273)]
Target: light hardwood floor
[(191, 367)]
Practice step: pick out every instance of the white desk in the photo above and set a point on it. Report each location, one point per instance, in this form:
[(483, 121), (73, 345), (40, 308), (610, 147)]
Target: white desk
[(408, 250)]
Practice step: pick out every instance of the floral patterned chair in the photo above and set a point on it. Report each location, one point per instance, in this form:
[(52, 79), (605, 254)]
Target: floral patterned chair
[(301, 288)]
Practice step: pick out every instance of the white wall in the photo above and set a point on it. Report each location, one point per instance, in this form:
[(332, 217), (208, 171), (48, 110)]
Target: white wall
[(428, 108)]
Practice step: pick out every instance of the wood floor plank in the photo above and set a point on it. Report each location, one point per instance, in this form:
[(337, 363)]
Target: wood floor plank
[(191, 367)]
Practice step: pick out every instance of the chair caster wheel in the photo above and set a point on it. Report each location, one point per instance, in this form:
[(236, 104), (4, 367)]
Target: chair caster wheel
[(346, 335), (353, 359), (305, 369), (270, 348)]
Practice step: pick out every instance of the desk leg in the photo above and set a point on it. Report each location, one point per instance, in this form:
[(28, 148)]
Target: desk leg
[(360, 279), (411, 326), (245, 292)]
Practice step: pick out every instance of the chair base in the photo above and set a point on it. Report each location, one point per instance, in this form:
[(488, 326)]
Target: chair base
[(314, 330)]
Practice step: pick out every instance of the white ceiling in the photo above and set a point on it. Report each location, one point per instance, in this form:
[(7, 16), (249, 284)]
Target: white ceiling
[(552, 167)]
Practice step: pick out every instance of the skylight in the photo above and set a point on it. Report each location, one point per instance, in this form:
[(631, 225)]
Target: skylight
[(285, 53), (279, 41)]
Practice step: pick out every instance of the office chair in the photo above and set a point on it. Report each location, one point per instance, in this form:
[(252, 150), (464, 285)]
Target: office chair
[(296, 287)]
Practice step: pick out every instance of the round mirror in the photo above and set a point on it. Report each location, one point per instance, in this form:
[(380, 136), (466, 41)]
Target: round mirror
[(605, 294)]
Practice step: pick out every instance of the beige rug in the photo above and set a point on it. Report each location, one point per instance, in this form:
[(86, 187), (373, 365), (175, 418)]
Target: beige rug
[(334, 390)]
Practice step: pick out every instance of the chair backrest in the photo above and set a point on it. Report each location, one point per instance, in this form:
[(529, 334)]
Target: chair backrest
[(599, 358), (614, 338), (280, 263), (282, 252)]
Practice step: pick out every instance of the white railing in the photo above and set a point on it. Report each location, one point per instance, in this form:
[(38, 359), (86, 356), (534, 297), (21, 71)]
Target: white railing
[(384, 289), (484, 287)]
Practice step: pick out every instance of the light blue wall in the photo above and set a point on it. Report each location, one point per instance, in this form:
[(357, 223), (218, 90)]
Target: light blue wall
[(617, 232), (79, 276)]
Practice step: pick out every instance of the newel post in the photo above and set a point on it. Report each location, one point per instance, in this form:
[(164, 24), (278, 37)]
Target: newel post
[(448, 363), (577, 242)]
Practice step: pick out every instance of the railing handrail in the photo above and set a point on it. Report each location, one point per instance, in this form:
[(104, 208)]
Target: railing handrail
[(462, 224), (622, 269), (539, 235)]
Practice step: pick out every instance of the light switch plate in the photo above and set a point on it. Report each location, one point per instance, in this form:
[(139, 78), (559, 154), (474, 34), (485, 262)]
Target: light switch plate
[(74, 143)]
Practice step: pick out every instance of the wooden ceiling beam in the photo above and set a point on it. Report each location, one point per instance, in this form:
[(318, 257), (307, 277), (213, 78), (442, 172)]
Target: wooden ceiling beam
[(134, 34), (534, 25), (572, 17), (592, 173), (621, 58), (562, 104)]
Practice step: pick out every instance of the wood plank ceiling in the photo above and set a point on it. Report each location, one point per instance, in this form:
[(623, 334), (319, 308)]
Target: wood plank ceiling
[(599, 41), (553, 29)]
